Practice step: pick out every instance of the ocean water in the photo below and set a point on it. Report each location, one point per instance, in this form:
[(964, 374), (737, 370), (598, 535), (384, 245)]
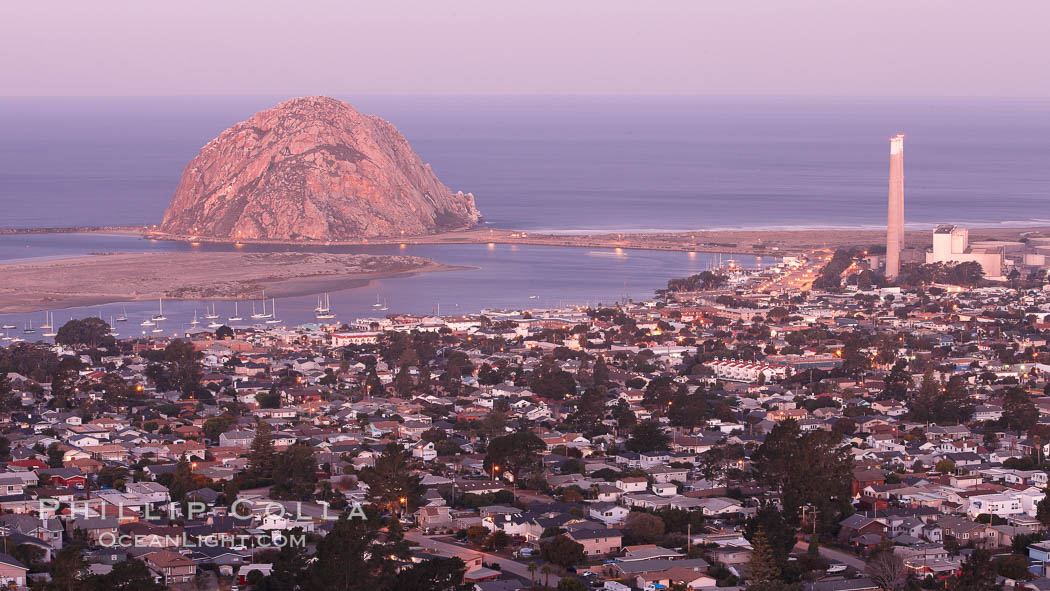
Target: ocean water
[(500, 276), (544, 163), (575, 163)]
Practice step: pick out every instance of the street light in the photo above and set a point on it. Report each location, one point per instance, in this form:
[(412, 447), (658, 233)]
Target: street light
[(495, 469)]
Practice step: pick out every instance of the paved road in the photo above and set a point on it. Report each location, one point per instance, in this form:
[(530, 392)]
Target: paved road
[(836, 555), (510, 566)]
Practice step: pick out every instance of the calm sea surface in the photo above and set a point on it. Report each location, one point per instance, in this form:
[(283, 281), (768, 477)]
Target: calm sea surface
[(502, 276), (568, 164), (574, 163)]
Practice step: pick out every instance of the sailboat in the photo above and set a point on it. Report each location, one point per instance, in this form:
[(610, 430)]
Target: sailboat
[(211, 316), (194, 322), (113, 333), (236, 316), (47, 320), (323, 309), (50, 325), (384, 306), (29, 328), (377, 304), (262, 314), (6, 337), (272, 319), (124, 314), (160, 312)]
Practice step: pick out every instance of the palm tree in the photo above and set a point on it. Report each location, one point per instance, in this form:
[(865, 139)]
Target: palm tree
[(532, 573), (546, 570)]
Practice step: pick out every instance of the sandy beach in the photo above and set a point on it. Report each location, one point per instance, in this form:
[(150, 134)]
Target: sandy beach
[(97, 279)]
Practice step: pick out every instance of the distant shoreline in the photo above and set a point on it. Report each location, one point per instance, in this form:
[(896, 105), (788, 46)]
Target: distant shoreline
[(764, 242)]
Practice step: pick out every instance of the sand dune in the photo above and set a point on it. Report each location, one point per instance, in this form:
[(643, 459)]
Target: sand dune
[(81, 281)]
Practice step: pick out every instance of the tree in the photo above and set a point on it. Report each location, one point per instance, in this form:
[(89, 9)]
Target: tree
[(763, 563), (887, 570), (547, 570), (643, 527), (1042, 510), (294, 474), (648, 436), (811, 468), (976, 573), (127, 575), (516, 453), (898, 381), (184, 366), (436, 574), (260, 456), (54, 456), (223, 332), (945, 466), (721, 461), (88, 332), (391, 483), (216, 426), (68, 566), (357, 555), (600, 374), (563, 551), (182, 481), (549, 380), (269, 399), (779, 534), (532, 568), (1019, 412)]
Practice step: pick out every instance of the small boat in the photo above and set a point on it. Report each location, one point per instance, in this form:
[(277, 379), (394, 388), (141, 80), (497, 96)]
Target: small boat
[(124, 315), (8, 327), (160, 312), (272, 319), (211, 316), (195, 322), (158, 329), (236, 316), (263, 314), (532, 297), (29, 328), (50, 325), (147, 322), (323, 309), (214, 324)]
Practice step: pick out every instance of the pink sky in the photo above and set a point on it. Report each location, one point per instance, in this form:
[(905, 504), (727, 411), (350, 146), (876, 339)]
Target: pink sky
[(808, 47)]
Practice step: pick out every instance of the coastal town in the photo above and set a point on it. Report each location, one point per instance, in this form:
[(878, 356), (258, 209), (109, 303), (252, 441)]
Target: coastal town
[(808, 425)]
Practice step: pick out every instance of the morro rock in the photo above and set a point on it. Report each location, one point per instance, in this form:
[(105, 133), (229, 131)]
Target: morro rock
[(313, 168)]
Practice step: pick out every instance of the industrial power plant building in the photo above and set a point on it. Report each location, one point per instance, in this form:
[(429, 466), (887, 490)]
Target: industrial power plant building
[(951, 244)]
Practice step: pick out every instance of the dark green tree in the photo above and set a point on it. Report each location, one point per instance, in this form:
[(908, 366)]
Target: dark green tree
[(391, 479), (976, 574), (563, 551), (516, 453), (648, 436)]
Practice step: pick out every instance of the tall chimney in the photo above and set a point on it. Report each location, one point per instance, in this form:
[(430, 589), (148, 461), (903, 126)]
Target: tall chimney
[(895, 223)]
